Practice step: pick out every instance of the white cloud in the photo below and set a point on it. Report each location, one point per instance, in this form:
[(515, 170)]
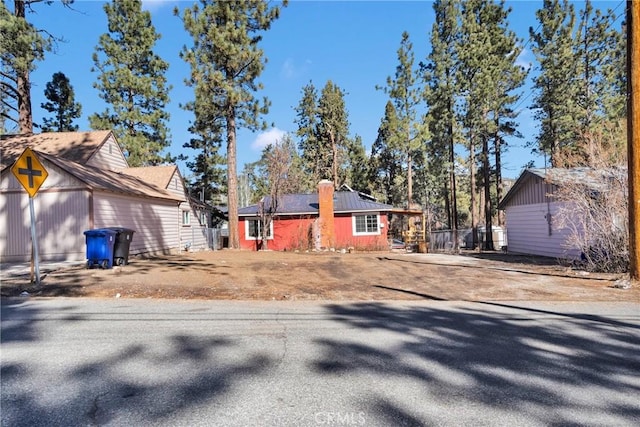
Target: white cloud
[(290, 69), (152, 5), (270, 136)]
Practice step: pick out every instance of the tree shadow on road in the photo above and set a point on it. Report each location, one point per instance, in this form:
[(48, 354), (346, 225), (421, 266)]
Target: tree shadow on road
[(138, 384), (530, 366)]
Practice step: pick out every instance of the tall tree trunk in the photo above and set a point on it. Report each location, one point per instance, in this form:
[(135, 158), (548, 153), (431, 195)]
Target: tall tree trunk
[(447, 204), (232, 182), (498, 157), (409, 181), (472, 183), (452, 180), (486, 172), (334, 153), (25, 117)]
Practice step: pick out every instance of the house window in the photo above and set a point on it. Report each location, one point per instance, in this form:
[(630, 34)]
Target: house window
[(186, 218), (366, 224), (253, 229)]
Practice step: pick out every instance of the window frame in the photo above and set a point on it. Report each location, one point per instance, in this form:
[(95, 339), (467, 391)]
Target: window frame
[(186, 218), (367, 216), (247, 226)]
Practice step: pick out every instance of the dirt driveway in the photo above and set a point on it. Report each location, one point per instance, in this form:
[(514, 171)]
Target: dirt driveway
[(330, 276)]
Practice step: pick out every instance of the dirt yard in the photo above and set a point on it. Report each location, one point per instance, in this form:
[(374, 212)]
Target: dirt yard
[(244, 275)]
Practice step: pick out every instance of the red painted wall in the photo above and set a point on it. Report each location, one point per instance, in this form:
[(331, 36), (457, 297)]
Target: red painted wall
[(296, 233), (346, 239), (288, 234)]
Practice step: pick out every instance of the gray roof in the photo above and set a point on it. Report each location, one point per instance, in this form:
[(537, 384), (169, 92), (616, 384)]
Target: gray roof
[(307, 204), (595, 179)]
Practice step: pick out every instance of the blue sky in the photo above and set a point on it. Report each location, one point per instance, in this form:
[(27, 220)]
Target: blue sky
[(353, 43)]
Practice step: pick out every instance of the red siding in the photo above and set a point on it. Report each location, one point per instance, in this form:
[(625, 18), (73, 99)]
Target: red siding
[(346, 239), (296, 233)]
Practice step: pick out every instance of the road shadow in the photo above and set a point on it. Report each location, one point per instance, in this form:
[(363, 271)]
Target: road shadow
[(136, 384), (533, 364)]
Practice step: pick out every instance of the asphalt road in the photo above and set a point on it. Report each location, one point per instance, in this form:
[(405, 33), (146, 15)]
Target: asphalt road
[(83, 362)]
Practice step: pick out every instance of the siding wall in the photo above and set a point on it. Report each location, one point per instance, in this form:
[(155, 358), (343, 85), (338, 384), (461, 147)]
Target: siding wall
[(155, 222), (57, 179), (534, 190), (176, 186), (293, 233), (528, 232), (288, 234), (192, 236), (346, 239), (109, 156), (61, 219), (61, 206)]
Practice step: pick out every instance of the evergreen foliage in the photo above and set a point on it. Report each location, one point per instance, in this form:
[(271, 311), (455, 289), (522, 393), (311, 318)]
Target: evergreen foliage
[(358, 171), (323, 132), (333, 130), (225, 62), (62, 103), (386, 161), (132, 83), (441, 93), (315, 156), (21, 45), (581, 101), (489, 74), (557, 90), (406, 95)]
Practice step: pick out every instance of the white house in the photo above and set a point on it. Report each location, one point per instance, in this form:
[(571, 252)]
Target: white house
[(88, 187), (531, 210)]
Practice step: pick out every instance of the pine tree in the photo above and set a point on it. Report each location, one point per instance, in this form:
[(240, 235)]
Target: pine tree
[(132, 82), (405, 93), (62, 103), (333, 128), (315, 156), (556, 84), (358, 169), (386, 160), (441, 92), (488, 53), (599, 48), (21, 45), (225, 62)]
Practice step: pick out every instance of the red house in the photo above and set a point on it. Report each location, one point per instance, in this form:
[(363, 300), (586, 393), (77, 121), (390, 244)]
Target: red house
[(326, 220)]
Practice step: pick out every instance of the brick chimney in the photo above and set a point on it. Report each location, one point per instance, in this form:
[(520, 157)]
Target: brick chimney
[(325, 219)]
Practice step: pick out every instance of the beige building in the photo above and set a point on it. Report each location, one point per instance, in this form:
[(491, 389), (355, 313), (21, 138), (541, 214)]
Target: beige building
[(90, 185)]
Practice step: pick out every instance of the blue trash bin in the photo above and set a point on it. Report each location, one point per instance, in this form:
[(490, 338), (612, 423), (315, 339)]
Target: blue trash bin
[(100, 244)]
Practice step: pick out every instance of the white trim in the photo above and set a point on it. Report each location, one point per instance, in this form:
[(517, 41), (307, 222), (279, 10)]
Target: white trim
[(186, 217), (246, 229), (366, 233)]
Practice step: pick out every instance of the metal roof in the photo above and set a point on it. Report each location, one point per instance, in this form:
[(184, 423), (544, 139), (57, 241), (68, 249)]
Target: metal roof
[(307, 204)]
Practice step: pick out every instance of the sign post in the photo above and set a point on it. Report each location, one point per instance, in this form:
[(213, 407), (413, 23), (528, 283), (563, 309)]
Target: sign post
[(31, 174)]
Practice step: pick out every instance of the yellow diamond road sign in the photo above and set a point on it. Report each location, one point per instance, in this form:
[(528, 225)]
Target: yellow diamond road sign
[(29, 171)]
